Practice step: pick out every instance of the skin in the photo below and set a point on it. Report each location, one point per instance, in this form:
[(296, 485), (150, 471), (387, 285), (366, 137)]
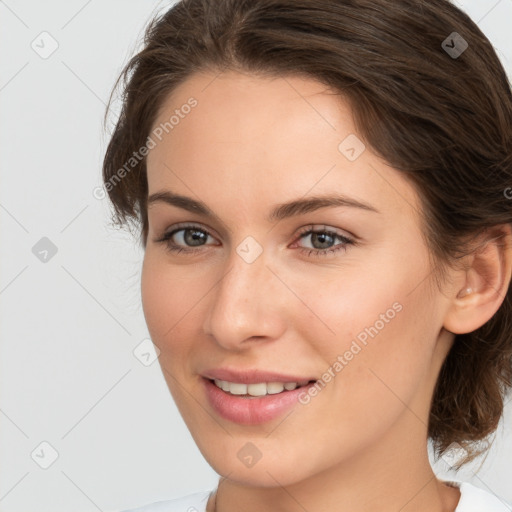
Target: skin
[(361, 443)]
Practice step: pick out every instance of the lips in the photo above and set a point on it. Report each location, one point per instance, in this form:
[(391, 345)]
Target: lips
[(245, 410)]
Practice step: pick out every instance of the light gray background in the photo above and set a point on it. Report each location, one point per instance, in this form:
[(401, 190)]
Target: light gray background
[(68, 375)]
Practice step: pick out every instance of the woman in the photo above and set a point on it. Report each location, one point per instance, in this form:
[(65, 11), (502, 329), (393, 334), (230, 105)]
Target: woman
[(321, 189)]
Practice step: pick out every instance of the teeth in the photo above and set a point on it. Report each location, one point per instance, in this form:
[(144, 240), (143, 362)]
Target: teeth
[(259, 389), (256, 389), (274, 387), (237, 389)]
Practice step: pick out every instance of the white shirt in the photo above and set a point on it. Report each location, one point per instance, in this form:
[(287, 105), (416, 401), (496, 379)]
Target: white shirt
[(472, 499)]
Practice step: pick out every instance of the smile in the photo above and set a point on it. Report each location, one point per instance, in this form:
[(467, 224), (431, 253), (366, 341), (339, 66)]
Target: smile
[(253, 404), (258, 389)]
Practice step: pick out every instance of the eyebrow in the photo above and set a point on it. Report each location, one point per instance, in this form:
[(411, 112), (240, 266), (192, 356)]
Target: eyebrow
[(279, 212)]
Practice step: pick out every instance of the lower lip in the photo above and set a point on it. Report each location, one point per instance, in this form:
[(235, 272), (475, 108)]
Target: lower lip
[(254, 410)]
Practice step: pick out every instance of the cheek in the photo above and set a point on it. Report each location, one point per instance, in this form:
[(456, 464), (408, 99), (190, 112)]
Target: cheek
[(375, 331), (168, 302), (156, 298), (169, 311)]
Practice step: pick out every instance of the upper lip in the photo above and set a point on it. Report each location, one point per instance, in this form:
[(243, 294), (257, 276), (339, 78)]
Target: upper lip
[(252, 376)]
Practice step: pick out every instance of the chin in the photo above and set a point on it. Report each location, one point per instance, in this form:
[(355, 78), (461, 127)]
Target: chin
[(248, 462)]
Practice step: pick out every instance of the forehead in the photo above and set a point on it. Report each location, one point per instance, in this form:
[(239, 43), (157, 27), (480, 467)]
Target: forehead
[(233, 108), (225, 87), (258, 136)]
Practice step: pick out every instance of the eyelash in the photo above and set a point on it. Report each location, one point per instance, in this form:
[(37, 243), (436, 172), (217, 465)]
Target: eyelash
[(174, 248)]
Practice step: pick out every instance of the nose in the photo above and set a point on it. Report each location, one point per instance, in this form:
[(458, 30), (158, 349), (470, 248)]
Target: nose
[(246, 305)]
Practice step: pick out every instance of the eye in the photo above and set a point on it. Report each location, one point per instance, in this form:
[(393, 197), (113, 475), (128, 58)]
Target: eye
[(195, 236), (323, 237), (188, 234)]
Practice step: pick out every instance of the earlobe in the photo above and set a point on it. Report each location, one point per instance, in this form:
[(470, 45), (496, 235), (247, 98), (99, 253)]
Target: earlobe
[(485, 284)]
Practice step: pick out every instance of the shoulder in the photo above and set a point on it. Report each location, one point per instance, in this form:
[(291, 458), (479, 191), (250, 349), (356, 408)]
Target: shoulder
[(190, 503), (476, 499)]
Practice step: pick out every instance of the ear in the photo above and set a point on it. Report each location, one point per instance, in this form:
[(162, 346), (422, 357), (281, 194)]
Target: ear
[(483, 284)]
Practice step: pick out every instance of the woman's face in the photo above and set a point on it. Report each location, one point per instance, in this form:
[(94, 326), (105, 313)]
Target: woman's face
[(350, 305)]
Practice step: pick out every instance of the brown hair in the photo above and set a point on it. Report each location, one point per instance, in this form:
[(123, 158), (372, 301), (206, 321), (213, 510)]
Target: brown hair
[(443, 120)]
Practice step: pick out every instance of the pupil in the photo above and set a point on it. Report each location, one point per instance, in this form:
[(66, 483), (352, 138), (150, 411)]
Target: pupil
[(317, 236), (195, 237)]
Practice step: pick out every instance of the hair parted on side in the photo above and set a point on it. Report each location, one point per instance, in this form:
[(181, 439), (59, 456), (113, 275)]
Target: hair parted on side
[(445, 123)]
